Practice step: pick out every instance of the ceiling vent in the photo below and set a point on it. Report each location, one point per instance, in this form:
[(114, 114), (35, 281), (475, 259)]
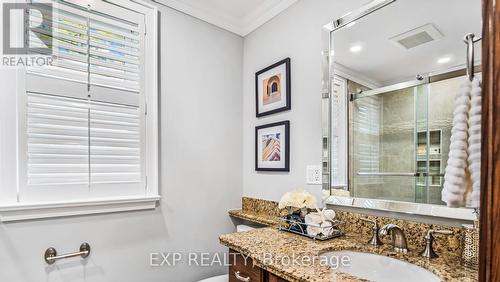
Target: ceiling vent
[(417, 36)]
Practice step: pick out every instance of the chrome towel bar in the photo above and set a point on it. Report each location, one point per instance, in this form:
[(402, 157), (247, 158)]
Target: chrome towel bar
[(51, 256)]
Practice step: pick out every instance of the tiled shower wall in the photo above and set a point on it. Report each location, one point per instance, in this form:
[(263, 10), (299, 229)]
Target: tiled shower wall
[(398, 110)]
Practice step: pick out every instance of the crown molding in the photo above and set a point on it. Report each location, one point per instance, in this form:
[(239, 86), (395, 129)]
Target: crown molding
[(240, 26), (264, 13)]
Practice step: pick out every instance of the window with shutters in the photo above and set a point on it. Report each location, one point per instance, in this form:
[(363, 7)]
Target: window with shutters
[(339, 151), (368, 125), (87, 126)]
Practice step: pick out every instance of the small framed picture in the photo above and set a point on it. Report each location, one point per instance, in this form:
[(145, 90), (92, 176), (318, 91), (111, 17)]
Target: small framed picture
[(272, 147), (272, 89)]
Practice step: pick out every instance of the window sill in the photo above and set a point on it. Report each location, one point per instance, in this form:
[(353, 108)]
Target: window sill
[(60, 209)]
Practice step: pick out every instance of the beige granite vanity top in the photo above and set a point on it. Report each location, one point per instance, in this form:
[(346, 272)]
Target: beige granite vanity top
[(254, 217), (270, 249)]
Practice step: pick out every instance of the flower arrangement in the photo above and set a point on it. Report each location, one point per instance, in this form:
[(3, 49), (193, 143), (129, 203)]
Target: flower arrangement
[(297, 200)]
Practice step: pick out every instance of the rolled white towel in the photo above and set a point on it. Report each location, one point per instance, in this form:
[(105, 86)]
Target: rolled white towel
[(476, 101), (458, 167), (460, 109), (458, 136), (474, 148), (461, 101), (458, 155), (460, 118), (455, 180), (313, 222), (313, 218), (475, 110), (475, 119), (475, 139), (453, 200), (453, 192), (460, 127), (327, 228), (459, 145), (329, 214), (320, 222), (475, 129)]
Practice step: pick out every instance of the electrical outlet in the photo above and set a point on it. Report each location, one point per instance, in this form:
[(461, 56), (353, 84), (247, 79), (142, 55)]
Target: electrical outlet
[(313, 175)]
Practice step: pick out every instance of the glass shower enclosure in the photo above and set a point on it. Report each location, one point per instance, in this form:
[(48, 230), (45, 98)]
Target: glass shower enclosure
[(399, 139)]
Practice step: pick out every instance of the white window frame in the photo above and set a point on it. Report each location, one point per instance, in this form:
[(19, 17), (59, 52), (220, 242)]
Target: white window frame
[(12, 209)]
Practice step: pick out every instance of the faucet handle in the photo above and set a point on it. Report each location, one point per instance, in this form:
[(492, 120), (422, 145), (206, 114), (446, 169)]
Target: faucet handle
[(429, 237), (375, 240), (432, 231)]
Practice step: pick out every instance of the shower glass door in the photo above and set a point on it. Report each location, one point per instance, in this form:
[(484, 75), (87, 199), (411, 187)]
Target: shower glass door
[(389, 145)]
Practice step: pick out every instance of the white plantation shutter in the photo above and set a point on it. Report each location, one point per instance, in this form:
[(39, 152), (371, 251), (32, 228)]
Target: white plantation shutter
[(117, 109), (368, 123), (115, 56), (58, 147), (69, 33), (85, 115), (115, 144), (339, 133)]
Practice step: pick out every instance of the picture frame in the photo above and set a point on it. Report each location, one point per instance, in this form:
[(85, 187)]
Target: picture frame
[(273, 89), (272, 147)]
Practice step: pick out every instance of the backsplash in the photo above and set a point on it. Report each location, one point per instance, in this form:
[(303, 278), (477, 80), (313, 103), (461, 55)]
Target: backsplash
[(259, 206), (414, 231)]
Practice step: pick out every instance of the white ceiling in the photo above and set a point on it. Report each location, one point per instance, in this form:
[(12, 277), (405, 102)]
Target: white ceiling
[(383, 62), (238, 16)]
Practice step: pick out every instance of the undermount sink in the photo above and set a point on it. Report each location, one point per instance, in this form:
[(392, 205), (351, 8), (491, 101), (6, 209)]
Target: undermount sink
[(377, 268)]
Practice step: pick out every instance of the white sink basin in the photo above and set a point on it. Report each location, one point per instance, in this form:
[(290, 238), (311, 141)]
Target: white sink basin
[(377, 268)]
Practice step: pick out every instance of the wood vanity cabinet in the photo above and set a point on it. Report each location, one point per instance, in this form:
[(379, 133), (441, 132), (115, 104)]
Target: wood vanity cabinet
[(273, 278), (241, 269)]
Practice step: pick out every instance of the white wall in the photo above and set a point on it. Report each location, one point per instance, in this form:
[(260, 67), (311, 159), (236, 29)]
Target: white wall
[(201, 175), (295, 33)]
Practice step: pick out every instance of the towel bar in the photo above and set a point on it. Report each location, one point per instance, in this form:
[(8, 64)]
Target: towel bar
[(51, 256)]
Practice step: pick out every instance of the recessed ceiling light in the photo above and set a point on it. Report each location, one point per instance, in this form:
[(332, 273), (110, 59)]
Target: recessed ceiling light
[(355, 48), (443, 60)]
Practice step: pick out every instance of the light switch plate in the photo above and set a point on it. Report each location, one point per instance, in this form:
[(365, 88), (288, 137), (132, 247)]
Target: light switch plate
[(313, 175)]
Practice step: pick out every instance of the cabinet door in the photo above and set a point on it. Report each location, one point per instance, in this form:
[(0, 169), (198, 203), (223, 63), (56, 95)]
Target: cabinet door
[(273, 278), (242, 269)]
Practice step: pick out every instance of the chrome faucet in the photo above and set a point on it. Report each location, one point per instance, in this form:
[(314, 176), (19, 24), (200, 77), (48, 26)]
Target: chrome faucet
[(398, 237)]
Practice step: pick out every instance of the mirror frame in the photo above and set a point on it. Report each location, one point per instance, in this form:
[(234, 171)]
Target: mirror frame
[(467, 214)]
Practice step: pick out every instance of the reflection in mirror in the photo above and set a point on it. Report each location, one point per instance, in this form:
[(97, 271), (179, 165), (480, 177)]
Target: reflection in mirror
[(395, 68)]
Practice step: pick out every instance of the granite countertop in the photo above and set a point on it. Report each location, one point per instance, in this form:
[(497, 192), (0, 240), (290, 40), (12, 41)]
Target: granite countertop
[(260, 218), (272, 250)]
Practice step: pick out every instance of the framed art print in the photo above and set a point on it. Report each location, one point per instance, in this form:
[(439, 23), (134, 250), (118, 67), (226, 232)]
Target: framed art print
[(272, 89), (272, 147)]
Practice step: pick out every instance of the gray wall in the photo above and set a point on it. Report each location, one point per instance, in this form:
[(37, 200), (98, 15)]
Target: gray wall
[(201, 175), (295, 33)]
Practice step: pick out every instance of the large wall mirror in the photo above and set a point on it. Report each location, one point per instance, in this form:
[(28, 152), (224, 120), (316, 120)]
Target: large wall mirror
[(391, 73)]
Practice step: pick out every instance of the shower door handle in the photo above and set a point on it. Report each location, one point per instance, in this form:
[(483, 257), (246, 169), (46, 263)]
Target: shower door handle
[(414, 174), (432, 174)]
